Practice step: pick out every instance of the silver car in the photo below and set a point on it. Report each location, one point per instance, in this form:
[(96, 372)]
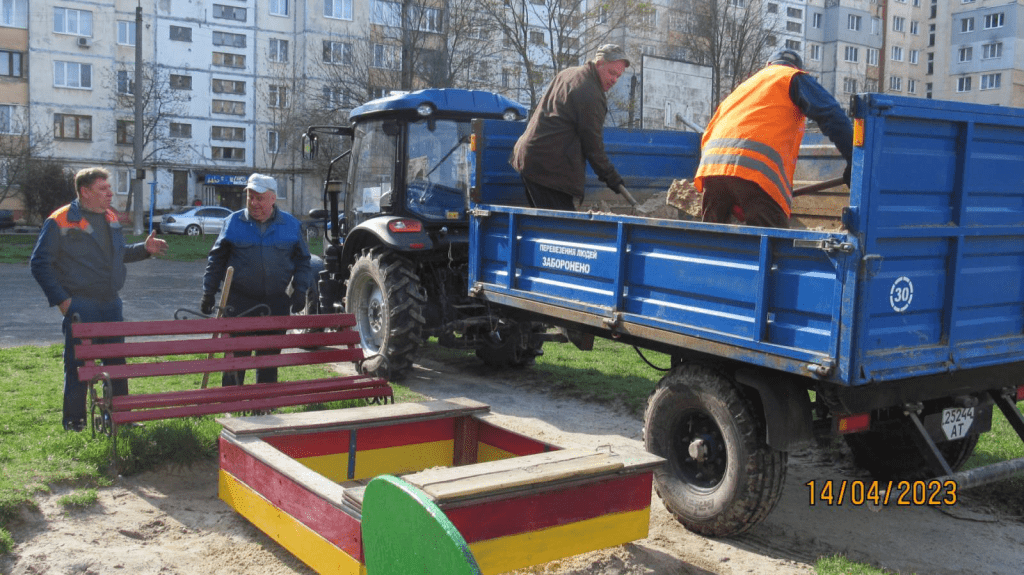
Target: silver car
[(195, 221)]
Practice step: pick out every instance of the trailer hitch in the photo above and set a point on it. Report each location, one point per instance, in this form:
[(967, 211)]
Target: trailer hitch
[(829, 245)]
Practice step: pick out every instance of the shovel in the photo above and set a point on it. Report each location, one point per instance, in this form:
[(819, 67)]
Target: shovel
[(629, 197), (220, 313), (820, 186)]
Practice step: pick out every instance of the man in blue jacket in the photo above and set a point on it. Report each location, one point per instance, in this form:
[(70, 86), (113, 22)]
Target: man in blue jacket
[(268, 251), (79, 261)]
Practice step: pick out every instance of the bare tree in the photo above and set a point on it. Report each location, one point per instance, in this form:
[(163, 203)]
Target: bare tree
[(44, 185), (19, 147), (733, 37)]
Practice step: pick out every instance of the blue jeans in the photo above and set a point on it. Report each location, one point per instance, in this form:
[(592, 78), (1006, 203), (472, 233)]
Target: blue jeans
[(87, 311)]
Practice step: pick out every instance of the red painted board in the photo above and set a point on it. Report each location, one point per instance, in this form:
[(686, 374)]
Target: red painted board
[(218, 364), (334, 525), (511, 441), (219, 345), (210, 325), (522, 514), (332, 442)]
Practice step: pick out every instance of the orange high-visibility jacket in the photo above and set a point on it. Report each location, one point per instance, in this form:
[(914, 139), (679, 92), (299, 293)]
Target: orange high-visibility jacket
[(755, 134)]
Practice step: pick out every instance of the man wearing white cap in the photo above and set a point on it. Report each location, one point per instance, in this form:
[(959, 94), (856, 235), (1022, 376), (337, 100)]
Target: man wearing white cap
[(268, 251)]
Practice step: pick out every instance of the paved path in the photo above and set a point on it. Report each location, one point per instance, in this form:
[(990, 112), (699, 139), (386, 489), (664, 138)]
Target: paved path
[(155, 288)]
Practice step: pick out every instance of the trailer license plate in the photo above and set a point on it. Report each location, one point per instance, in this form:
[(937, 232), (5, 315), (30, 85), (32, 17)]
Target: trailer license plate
[(956, 421)]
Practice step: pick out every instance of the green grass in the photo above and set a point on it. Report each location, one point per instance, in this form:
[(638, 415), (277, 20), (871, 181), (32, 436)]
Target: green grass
[(839, 565), (17, 248), (36, 453), (79, 499)]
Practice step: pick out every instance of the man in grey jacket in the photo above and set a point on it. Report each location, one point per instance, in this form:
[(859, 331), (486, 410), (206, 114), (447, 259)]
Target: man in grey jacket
[(566, 131)]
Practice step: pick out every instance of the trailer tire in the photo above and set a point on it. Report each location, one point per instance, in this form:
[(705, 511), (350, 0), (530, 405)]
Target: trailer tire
[(893, 453), (740, 479), (385, 295)]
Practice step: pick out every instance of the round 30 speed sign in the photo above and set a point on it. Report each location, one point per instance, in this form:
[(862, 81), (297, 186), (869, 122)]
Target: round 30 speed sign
[(901, 294)]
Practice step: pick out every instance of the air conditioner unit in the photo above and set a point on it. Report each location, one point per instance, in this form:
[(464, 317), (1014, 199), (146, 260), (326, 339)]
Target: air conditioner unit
[(84, 42)]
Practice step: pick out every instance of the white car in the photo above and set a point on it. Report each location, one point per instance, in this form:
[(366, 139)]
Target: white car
[(195, 221)]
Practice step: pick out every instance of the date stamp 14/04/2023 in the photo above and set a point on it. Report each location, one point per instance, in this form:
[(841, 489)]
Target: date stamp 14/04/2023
[(831, 492)]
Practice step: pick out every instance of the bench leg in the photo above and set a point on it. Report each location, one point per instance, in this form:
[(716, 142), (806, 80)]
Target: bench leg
[(100, 408)]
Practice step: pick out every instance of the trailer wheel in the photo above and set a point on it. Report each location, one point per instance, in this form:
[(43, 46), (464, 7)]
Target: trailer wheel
[(720, 478), (893, 453), (384, 293), (514, 348)]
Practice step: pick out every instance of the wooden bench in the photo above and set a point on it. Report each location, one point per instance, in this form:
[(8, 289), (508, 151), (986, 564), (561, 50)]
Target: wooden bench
[(157, 342)]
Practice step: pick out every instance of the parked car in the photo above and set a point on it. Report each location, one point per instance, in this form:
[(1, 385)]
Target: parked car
[(195, 220), (6, 219)]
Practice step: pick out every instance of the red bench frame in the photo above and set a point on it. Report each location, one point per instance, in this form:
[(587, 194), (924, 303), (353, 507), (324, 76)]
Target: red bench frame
[(337, 343)]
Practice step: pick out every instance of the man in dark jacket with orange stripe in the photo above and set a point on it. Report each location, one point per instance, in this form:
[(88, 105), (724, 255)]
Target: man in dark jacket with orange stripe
[(79, 261), (750, 148), (567, 130)]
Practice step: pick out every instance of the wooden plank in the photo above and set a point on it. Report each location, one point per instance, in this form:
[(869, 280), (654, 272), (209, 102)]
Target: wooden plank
[(461, 482), (219, 345), (355, 417), (466, 439), (211, 325), (240, 392)]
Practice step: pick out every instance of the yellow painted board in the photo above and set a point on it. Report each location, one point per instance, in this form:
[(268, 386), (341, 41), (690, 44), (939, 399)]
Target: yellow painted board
[(485, 452), (312, 549), (386, 461), (544, 545)]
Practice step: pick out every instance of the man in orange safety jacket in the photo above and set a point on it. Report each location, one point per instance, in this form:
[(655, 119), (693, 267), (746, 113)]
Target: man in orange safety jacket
[(750, 148)]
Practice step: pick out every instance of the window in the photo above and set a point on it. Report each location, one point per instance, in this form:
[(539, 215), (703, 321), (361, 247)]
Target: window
[(853, 22), (914, 56), (870, 85), (793, 45), (895, 83), (991, 81), (14, 13), (125, 33), (648, 17), (10, 63), (227, 133), (125, 131), (537, 37), (229, 107), (229, 12), (336, 97), (180, 82), (963, 84), (387, 57), (850, 85), (72, 75), (794, 12), (341, 9), (816, 20), (124, 181), (228, 60), (237, 154), (898, 23), (876, 26), (993, 21), (228, 39), (931, 34), (279, 7), (851, 54), (966, 54), (425, 19), (278, 50), (68, 21), (737, 3), (872, 56), (928, 90), (337, 52), (179, 130), (72, 127), (273, 142), (815, 52), (126, 82), (181, 34), (967, 25), (931, 63), (911, 86), (378, 92), (897, 54), (228, 86), (773, 8), (9, 119), (994, 50), (386, 13), (278, 97), (915, 27), (794, 27)]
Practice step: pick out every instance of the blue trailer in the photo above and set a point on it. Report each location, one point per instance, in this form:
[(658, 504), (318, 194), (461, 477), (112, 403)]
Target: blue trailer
[(908, 324)]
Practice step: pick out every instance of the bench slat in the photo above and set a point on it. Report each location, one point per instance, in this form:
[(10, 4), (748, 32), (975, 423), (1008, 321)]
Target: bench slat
[(199, 366), (122, 417), (210, 325), (86, 351), (235, 392)]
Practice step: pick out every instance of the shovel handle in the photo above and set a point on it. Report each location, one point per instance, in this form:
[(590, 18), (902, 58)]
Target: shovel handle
[(629, 197), (220, 313), (826, 185)]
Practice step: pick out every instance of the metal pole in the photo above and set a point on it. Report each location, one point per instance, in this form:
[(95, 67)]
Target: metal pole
[(137, 148)]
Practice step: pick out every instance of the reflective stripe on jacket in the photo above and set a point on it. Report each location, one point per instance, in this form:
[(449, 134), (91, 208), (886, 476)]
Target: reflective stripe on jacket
[(755, 134)]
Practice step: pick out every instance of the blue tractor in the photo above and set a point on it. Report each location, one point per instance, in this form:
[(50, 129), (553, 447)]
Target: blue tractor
[(396, 230)]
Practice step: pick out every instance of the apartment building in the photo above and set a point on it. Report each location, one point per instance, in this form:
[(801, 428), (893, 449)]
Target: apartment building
[(14, 91), (977, 51)]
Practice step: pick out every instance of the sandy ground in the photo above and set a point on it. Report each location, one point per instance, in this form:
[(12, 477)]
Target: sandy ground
[(171, 522)]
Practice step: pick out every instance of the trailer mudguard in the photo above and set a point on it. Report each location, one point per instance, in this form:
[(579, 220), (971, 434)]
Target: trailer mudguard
[(787, 408), (376, 232)]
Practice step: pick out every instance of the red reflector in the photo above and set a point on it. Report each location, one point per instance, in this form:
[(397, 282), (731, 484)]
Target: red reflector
[(1020, 393), (417, 246), (853, 423), (399, 226)]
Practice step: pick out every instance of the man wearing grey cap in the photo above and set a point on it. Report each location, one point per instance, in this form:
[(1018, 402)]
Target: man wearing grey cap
[(268, 251), (566, 131)]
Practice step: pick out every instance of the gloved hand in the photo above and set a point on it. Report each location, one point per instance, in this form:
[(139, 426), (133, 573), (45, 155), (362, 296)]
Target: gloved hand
[(846, 175), (298, 302), (206, 304)]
